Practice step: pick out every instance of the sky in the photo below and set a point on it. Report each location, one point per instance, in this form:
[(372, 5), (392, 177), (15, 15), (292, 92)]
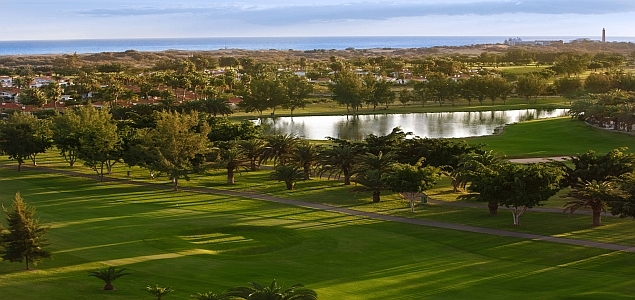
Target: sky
[(111, 19)]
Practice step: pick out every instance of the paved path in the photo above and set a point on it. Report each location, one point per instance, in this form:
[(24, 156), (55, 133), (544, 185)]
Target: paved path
[(375, 216), (539, 159)]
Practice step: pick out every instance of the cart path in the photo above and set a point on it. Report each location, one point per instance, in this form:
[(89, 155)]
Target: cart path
[(539, 159), (369, 215)]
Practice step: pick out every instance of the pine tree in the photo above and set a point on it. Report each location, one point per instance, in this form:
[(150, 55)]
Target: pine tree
[(23, 241)]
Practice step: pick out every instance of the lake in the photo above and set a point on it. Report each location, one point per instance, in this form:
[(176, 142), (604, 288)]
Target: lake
[(431, 125)]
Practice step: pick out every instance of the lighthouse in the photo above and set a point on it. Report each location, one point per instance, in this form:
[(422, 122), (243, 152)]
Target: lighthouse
[(603, 35)]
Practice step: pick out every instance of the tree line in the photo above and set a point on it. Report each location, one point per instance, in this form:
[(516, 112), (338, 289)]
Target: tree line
[(178, 144), (354, 82)]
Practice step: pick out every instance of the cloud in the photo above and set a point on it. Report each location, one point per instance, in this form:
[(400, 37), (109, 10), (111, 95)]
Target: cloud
[(277, 15)]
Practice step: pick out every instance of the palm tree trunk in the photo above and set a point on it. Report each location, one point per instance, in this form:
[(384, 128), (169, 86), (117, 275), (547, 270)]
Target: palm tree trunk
[(493, 207), (175, 180), (376, 198), (253, 165), (289, 185), (307, 173), (230, 175), (597, 216)]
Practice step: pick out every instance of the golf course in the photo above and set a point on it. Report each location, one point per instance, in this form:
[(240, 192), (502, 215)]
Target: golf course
[(211, 236)]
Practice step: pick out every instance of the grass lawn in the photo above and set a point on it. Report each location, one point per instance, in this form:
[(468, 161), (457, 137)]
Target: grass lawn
[(553, 137), (196, 243), (332, 108)]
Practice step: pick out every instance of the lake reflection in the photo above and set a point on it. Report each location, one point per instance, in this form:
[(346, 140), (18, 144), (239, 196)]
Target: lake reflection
[(432, 125)]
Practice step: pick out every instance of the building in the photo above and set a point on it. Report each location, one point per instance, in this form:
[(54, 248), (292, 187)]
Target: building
[(6, 81), (520, 42)]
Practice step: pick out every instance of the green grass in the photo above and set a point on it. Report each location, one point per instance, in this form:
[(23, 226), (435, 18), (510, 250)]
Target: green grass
[(198, 242), (332, 108), (553, 137), (519, 70)]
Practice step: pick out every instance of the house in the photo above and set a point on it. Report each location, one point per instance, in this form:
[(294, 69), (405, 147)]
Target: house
[(321, 80), (9, 95), (233, 102), (6, 81), (39, 82)]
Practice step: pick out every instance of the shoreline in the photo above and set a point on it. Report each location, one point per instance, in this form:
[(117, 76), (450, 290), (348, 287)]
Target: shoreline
[(377, 44)]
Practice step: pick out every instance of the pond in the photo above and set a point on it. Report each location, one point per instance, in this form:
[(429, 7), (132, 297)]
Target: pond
[(431, 125)]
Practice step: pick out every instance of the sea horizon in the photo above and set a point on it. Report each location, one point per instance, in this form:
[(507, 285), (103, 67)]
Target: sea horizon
[(87, 46)]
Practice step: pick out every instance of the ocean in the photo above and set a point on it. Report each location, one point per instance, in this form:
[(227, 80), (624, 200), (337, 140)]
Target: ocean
[(257, 43)]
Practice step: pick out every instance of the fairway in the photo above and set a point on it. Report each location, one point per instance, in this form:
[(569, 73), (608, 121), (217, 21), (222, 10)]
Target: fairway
[(199, 242), (553, 137)]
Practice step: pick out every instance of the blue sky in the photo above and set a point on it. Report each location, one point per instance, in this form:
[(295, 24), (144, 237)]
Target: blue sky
[(74, 19)]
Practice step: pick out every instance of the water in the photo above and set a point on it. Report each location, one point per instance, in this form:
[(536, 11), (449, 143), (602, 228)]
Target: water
[(431, 125), (256, 43)]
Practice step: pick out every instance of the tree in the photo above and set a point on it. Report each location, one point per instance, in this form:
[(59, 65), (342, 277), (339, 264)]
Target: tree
[(287, 173), (528, 186), (100, 143), (296, 90), (24, 136), (263, 93), (232, 158), (159, 291), (568, 87), (175, 143), (32, 97), (598, 83), (624, 204), (212, 296), (108, 275), (66, 130), (371, 173), (256, 291), (530, 85), (469, 166), (279, 147), (253, 150), (405, 97), (372, 180), (306, 155), (440, 87), (213, 107), (411, 181), (589, 167), (595, 195), (53, 92), (24, 237), (346, 89), (339, 160)]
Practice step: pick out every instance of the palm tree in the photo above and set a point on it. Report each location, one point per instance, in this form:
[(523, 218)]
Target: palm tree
[(279, 147), (231, 159), (370, 173), (469, 165), (338, 161), (215, 107), (594, 195), (159, 291), (54, 92), (371, 161), (373, 180), (306, 155), (253, 150), (287, 173), (212, 296), (256, 291), (108, 275)]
